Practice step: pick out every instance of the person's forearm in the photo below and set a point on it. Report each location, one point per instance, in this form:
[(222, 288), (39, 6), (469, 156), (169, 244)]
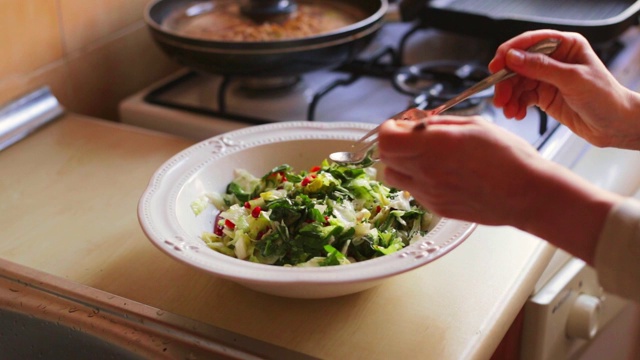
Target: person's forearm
[(568, 211)]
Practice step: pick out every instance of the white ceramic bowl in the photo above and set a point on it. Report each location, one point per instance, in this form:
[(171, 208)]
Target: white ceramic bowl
[(167, 219)]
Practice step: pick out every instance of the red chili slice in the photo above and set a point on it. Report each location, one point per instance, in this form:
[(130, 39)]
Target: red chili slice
[(217, 228), (307, 179)]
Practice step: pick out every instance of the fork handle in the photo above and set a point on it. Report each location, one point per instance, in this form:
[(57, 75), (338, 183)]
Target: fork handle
[(546, 46)]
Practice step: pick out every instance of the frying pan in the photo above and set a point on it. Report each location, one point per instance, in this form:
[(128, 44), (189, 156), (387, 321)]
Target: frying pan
[(258, 59), (599, 21)]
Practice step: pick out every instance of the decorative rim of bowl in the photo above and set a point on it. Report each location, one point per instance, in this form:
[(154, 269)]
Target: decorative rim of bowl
[(158, 219)]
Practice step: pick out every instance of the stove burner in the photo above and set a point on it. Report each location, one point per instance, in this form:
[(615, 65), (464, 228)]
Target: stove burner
[(434, 82), (267, 84), (254, 88)]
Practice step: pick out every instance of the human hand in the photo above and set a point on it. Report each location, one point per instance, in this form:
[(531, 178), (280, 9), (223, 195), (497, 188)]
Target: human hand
[(572, 85), (460, 167), (470, 169)]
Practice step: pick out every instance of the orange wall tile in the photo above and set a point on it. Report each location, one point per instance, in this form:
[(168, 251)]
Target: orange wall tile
[(92, 53), (29, 35), (97, 18), (103, 75)]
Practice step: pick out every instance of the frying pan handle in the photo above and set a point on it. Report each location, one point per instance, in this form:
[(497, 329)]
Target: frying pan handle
[(410, 9)]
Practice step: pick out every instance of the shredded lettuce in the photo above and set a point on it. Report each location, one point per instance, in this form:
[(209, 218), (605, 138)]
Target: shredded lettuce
[(330, 215)]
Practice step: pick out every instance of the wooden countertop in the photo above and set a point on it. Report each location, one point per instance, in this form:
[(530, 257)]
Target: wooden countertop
[(69, 197)]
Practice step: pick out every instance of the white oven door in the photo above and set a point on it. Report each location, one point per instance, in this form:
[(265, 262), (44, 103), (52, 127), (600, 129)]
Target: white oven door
[(570, 316)]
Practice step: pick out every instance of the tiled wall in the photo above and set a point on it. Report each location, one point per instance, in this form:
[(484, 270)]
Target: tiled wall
[(92, 53)]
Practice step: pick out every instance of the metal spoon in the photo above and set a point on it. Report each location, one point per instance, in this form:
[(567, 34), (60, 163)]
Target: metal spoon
[(365, 152)]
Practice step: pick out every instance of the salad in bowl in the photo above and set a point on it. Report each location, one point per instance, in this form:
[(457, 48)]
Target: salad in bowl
[(261, 207), (329, 215)]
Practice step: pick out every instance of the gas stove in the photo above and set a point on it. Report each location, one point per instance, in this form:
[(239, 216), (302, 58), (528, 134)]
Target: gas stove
[(379, 84), (407, 65)]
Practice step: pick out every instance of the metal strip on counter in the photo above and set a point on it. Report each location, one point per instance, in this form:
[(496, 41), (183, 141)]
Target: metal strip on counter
[(23, 116), (58, 318)]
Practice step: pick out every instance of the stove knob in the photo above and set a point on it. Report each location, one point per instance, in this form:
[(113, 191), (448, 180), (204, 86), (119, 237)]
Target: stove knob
[(583, 317)]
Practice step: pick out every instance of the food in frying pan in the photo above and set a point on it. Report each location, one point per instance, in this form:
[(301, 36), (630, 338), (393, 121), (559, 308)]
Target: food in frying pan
[(224, 22)]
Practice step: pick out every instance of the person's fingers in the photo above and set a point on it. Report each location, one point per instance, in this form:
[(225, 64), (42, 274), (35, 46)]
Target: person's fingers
[(404, 149), (516, 107), (397, 179), (537, 66), (523, 42), (503, 93), (562, 69), (401, 138), (394, 135)]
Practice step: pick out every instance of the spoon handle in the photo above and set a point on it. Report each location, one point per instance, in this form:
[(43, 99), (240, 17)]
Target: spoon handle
[(485, 83)]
